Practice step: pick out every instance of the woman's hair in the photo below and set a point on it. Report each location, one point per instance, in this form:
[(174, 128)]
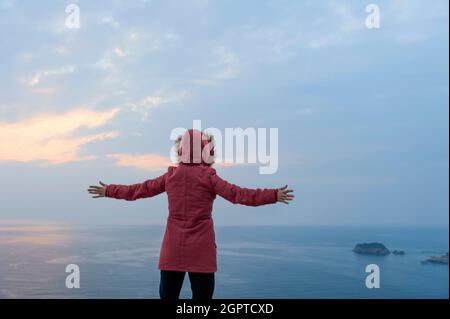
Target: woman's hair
[(210, 140)]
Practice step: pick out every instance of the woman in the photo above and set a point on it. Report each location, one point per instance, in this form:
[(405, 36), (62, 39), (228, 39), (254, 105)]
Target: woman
[(189, 240)]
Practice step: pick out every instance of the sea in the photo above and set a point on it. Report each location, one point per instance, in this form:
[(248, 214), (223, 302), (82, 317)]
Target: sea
[(253, 261)]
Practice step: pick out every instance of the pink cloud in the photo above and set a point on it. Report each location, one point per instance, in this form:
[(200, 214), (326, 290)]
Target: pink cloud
[(50, 137), (152, 162), (148, 162)]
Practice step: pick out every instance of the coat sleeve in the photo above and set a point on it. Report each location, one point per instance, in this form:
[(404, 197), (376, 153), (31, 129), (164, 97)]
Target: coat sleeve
[(240, 195), (149, 188)]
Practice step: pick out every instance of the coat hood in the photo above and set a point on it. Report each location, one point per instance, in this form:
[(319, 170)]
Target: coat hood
[(195, 148)]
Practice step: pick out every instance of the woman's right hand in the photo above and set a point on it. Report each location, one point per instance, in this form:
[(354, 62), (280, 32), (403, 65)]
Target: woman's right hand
[(98, 191), (284, 196)]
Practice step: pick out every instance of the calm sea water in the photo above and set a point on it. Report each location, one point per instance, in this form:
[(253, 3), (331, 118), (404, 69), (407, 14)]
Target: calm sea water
[(254, 262)]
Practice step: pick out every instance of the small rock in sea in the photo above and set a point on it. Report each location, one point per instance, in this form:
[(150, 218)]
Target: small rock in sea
[(371, 249), (398, 252), (437, 260)]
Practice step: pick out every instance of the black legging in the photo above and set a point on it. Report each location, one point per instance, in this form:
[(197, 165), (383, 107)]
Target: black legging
[(202, 285)]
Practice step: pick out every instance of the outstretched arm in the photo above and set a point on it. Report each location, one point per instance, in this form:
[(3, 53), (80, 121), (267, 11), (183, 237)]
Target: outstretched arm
[(248, 196), (149, 188)]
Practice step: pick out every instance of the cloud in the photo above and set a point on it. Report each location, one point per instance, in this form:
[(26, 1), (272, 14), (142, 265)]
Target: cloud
[(45, 91), (154, 162), (156, 100), (120, 52), (147, 162), (228, 62), (50, 137), (37, 78), (225, 66), (225, 164), (105, 63), (145, 104), (143, 42), (109, 60), (348, 20), (108, 20)]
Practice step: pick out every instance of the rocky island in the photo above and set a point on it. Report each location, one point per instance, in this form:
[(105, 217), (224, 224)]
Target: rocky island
[(371, 249), (437, 260)]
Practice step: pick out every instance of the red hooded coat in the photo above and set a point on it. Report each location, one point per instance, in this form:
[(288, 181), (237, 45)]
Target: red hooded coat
[(189, 240)]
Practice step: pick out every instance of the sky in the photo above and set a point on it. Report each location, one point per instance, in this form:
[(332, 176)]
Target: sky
[(362, 114)]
